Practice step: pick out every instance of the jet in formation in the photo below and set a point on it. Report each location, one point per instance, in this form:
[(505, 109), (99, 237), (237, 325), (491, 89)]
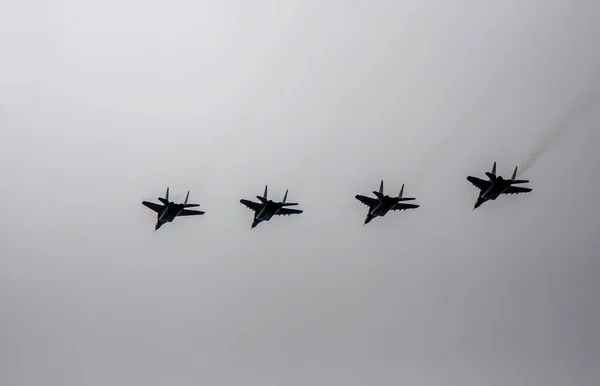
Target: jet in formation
[(383, 203), (266, 209), (169, 210), (496, 185)]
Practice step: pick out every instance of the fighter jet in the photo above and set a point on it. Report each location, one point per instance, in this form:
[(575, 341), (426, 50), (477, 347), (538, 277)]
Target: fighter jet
[(169, 210), (266, 209), (496, 185), (383, 203)]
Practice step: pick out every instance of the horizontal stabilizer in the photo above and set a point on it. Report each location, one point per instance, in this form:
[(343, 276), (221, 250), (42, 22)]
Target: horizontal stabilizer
[(289, 204), (519, 181), (191, 205), (262, 199), (188, 212), (491, 176), (378, 194), (406, 199)]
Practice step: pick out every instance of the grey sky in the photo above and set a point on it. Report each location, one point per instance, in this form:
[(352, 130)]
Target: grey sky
[(105, 104)]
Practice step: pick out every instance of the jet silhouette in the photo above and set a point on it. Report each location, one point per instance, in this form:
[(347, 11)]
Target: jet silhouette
[(496, 185), (169, 210), (266, 209), (383, 203)]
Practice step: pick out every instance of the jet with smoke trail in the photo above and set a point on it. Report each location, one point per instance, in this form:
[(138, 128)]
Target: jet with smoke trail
[(496, 185), (563, 126)]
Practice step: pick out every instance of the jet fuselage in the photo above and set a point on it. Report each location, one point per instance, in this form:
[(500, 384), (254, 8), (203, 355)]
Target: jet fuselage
[(171, 211), (268, 210), (497, 187), (383, 206)]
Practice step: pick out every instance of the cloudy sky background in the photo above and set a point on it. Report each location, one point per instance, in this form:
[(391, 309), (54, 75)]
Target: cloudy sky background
[(104, 104)]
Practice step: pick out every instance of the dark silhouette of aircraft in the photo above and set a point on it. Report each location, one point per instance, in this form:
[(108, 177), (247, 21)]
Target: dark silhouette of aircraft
[(169, 210), (266, 209), (496, 185), (382, 204)]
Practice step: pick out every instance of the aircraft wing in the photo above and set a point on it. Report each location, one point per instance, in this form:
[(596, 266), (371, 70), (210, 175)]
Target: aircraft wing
[(251, 204), (400, 206), (288, 211), (481, 184), (368, 201), (155, 207), (516, 190), (190, 212)]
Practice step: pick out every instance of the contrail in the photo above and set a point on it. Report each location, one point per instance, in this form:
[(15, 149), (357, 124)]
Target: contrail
[(565, 124)]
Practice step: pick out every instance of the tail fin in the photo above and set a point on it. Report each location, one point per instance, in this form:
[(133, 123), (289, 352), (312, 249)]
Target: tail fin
[(380, 192), (513, 179), (492, 175), (166, 199), (285, 203), (264, 197), (401, 195), (186, 198)]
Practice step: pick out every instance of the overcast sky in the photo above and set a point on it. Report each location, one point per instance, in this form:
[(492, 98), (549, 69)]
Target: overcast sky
[(104, 104)]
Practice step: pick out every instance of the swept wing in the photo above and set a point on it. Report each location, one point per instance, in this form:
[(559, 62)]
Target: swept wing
[(481, 184), (155, 207), (516, 190), (251, 204), (288, 211), (368, 201), (400, 206)]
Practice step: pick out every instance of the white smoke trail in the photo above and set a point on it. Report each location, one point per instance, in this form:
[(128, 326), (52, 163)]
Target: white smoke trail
[(562, 127)]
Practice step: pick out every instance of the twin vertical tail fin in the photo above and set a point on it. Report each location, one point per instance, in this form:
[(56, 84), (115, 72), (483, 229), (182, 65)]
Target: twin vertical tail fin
[(492, 175), (285, 203), (185, 203), (264, 197), (166, 199), (380, 193), (514, 178), (401, 195)]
